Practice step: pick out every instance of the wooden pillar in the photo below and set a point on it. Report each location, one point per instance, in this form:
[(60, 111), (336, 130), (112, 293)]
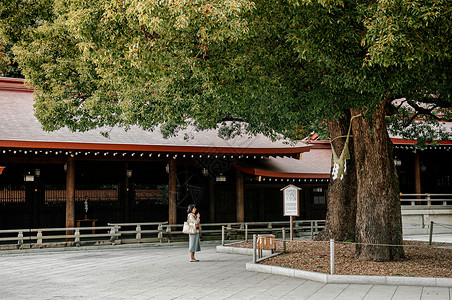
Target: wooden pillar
[(70, 193), (240, 196), (172, 186), (127, 200), (417, 174), (35, 204), (212, 200)]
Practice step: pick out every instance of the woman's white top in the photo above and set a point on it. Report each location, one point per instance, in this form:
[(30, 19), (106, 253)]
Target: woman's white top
[(192, 219)]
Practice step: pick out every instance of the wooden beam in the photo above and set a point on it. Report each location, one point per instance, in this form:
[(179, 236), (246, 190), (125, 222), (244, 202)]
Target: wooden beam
[(37, 159), (172, 186), (127, 195), (70, 193), (224, 150), (35, 204), (240, 196), (212, 200), (417, 174)]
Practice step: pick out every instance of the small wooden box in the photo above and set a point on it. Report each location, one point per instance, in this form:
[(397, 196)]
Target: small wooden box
[(266, 242)]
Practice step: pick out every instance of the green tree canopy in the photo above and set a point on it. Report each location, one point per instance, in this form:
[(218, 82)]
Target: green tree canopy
[(4, 59), (274, 64)]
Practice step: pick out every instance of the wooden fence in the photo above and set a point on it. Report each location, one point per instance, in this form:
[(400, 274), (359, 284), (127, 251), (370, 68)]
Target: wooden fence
[(48, 237), (120, 233), (52, 196), (18, 195), (426, 200)]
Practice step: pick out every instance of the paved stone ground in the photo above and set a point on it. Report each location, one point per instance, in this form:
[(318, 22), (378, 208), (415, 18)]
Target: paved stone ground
[(164, 273)]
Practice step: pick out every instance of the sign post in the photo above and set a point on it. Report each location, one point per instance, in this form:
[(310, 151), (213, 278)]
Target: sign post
[(291, 204)]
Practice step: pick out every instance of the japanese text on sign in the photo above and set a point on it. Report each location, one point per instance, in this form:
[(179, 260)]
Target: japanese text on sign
[(291, 202)]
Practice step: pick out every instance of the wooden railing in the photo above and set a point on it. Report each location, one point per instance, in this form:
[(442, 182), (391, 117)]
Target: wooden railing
[(242, 230), (12, 196), (37, 238), (147, 195), (118, 233), (139, 231), (426, 200), (82, 195)]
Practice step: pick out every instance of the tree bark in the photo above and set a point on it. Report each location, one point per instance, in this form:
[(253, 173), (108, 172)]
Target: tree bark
[(341, 208), (378, 216)]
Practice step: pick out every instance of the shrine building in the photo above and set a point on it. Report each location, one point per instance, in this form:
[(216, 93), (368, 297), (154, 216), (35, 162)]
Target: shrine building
[(53, 179)]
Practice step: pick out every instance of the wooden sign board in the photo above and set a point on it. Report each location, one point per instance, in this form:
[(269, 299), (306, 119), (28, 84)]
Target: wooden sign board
[(291, 201)]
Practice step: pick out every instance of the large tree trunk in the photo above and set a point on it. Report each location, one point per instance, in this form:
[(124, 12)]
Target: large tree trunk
[(378, 217), (341, 213)]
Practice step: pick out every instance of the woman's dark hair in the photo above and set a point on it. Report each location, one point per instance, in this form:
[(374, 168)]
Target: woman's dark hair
[(190, 208)]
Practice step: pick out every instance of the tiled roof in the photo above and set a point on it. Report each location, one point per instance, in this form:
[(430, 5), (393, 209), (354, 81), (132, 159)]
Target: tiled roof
[(313, 164), (19, 128)]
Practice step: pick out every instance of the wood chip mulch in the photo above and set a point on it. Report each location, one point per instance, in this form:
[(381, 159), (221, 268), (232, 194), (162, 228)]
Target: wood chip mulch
[(421, 259)]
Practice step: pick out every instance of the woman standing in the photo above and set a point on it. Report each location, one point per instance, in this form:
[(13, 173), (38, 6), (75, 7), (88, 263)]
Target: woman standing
[(194, 242)]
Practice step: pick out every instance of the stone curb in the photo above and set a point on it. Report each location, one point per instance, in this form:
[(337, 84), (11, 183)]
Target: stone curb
[(241, 251), (347, 279)]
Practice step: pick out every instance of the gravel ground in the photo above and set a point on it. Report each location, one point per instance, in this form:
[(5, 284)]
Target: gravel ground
[(421, 260)]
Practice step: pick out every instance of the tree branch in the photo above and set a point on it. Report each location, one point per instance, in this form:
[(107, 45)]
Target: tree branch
[(147, 35)]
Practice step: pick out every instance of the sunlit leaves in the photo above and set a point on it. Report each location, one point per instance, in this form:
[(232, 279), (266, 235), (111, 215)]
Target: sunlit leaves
[(4, 59), (278, 65), (408, 33)]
